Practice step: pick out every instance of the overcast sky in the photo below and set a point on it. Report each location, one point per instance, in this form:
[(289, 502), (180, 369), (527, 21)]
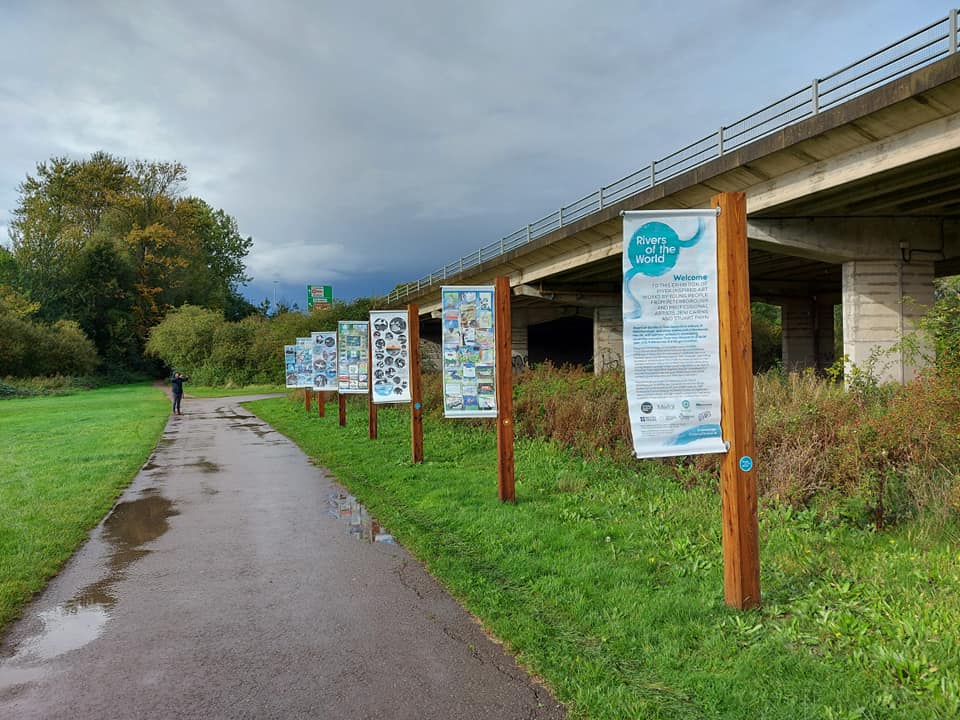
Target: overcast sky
[(362, 144)]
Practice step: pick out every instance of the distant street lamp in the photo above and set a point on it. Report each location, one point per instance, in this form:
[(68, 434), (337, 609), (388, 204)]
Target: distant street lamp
[(275, 296)]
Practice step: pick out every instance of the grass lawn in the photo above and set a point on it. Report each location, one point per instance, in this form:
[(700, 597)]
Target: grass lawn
[(205, 391), (63, 463), (608, 583)]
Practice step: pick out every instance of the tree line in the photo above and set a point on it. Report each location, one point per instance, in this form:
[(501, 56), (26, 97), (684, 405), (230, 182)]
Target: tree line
[(100, 250)]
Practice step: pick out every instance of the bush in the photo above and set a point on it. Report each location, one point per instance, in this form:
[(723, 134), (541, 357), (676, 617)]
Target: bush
[(184, 339), (587, 412), (33, 349)]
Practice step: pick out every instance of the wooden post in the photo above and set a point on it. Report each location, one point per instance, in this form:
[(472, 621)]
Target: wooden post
[(371, 405), (504, 373), (321, 403), (343, 409), (738, 484), (307, 393), (416, 382)]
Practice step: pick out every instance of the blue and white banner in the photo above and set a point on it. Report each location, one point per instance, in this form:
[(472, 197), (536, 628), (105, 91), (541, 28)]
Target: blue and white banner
[(290, 365), (303, 365), (671, 334)]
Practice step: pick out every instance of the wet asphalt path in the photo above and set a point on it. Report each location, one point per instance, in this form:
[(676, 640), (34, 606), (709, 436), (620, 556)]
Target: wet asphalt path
[(222, 586)]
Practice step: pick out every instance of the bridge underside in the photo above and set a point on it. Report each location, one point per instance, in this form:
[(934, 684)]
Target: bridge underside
[(858, 206)]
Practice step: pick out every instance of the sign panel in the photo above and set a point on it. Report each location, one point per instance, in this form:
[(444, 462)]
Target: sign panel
[(353, 356), (390, 356), (319, 297), (290, 365), (324, 361), (671, 338), (469, 351), (303, 364)]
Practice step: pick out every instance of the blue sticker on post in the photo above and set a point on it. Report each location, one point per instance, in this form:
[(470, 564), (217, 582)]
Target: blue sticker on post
[(416, 406), (746, 463)]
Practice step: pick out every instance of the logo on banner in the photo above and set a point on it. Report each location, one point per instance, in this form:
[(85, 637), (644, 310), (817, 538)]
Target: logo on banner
[(653, 250)]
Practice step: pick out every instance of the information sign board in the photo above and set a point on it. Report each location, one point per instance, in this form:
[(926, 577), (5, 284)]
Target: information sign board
[(671, 346), (469, 351)]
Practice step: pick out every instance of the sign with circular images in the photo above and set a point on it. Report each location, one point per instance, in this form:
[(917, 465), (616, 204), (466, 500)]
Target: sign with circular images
[(391, 356), (324, 359)]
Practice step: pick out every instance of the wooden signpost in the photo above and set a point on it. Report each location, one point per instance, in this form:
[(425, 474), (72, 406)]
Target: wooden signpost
[(738, 484), (504, 373), (416, 390), (343, 409), (321, 403), (371, 405), (307, 392)]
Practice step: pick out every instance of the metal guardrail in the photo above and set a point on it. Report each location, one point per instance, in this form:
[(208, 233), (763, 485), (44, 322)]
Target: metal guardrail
[(923, 47)]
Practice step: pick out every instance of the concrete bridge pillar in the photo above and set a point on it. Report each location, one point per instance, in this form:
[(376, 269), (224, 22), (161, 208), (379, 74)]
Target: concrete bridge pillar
[(882, 303), (808, 332), (607, 338), (520, 334), (798, 321)]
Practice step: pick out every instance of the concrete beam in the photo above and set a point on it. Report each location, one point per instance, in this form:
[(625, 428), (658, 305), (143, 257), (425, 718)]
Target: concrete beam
[(839, 240), (580, 299), (914, 145)]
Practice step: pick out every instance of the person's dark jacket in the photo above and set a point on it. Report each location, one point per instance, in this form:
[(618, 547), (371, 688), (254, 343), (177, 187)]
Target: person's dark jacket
[(177, 383)]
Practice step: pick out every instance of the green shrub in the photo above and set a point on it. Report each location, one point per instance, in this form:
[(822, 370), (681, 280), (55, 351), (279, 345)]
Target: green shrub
[(184, 339), (35, 349)]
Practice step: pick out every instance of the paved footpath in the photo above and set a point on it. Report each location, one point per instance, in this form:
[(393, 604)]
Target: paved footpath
[(222, 586)]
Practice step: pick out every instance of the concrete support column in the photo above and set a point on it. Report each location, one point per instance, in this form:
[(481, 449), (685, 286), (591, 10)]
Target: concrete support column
[(807, 334), (825, 333), (520, 350), (882, 301), (799, 339), (607, 339)]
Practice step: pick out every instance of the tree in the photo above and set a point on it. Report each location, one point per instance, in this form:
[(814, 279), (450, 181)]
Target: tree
[(112, 245)]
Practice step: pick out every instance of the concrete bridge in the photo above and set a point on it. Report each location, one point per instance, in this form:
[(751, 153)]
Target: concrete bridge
[(853, 198)]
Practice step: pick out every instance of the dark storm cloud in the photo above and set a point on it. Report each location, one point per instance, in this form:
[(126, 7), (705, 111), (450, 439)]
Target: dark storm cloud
[(366, 143)]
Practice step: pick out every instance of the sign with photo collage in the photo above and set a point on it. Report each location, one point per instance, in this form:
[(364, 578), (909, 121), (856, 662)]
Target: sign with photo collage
[(391, 356), (353, 357), (290, 365), (303, 363), (469, 351), (324, 361)]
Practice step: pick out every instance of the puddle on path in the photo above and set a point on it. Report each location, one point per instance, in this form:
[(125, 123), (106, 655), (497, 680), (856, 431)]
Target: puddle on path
[(81, 620), (358, 521), (205, 466), (260, 429)]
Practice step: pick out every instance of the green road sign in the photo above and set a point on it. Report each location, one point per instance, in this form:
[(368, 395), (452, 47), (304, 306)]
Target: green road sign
[(319, 297)]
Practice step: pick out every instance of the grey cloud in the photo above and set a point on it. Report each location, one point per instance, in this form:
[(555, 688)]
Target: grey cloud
[(374, 141)]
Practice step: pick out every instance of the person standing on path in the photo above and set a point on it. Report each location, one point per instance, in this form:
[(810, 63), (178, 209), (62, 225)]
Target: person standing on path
[(177, 382)]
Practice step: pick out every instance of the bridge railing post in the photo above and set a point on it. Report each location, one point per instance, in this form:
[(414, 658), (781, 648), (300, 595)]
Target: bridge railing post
[(953, 30), (815, 95)]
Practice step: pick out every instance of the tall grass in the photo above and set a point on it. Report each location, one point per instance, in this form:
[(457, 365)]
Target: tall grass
[(875, 454)]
